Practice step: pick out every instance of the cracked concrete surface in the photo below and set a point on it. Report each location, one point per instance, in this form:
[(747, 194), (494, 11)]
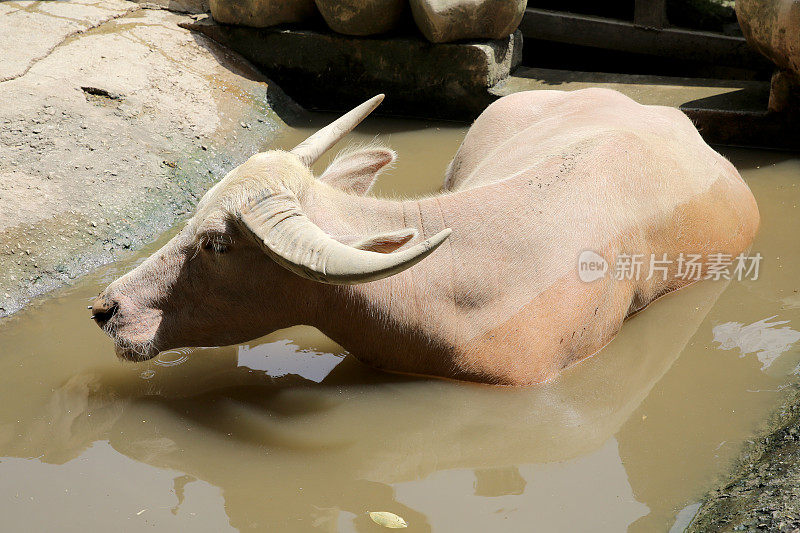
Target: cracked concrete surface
[(29, 31), (113, 121)]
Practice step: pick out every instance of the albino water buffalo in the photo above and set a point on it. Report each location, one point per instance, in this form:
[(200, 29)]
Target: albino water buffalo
[(541, 178)]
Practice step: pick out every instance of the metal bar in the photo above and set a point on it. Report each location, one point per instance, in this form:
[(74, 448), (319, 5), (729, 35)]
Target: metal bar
[(610, 34)]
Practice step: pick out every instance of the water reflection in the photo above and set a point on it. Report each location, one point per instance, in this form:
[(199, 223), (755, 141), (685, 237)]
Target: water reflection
[(763, 339), (280, 358), (252, 421), (576, 496), (101, 490)]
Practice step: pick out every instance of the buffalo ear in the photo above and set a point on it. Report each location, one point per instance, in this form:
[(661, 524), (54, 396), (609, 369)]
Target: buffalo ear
[(355, 172), (384, 243)]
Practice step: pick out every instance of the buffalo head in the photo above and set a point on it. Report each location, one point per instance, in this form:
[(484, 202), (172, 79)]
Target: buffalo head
[(251, 260)]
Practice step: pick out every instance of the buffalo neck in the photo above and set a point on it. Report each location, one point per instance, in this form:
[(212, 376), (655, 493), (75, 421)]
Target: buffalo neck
[(398, 323)]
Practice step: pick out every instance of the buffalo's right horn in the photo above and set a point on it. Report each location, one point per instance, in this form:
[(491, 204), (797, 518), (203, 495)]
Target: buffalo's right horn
[(296, 243)]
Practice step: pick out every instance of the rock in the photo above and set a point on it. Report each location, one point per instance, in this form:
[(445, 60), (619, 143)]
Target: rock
[(773, 28), (784, 92), (179, 6), (738, 506), (450, 20), (334, 72), (706, 15), (261, 13), (361, 17)]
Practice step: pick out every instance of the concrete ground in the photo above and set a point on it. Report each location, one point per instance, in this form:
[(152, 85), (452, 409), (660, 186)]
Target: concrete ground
[(113, 120)]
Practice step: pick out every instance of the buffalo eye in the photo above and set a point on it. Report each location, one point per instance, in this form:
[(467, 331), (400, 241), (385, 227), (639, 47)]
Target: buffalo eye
[(216, 244)]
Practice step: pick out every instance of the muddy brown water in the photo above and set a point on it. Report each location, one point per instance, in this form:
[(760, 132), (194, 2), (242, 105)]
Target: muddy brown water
[(287, 433)]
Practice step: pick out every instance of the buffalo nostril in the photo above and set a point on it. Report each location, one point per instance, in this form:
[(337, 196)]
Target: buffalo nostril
[(103, 311)]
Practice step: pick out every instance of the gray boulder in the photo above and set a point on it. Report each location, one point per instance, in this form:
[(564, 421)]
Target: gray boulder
[(361, 17), (261, 13), (178, 6), (450, 20), (773, 28)]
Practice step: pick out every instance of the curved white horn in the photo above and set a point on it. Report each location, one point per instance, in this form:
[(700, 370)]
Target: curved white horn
[(296, 243), (312, 148)]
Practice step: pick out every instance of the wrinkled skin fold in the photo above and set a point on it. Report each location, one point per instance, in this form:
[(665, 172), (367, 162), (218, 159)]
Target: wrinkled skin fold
[(477, 283)]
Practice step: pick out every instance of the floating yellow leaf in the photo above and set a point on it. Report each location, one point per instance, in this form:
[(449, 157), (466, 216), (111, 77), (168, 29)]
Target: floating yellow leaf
[(387, 519)]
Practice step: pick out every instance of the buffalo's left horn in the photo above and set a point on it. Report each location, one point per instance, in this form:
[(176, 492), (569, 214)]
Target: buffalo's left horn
[(312, 148), (296, 243)]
